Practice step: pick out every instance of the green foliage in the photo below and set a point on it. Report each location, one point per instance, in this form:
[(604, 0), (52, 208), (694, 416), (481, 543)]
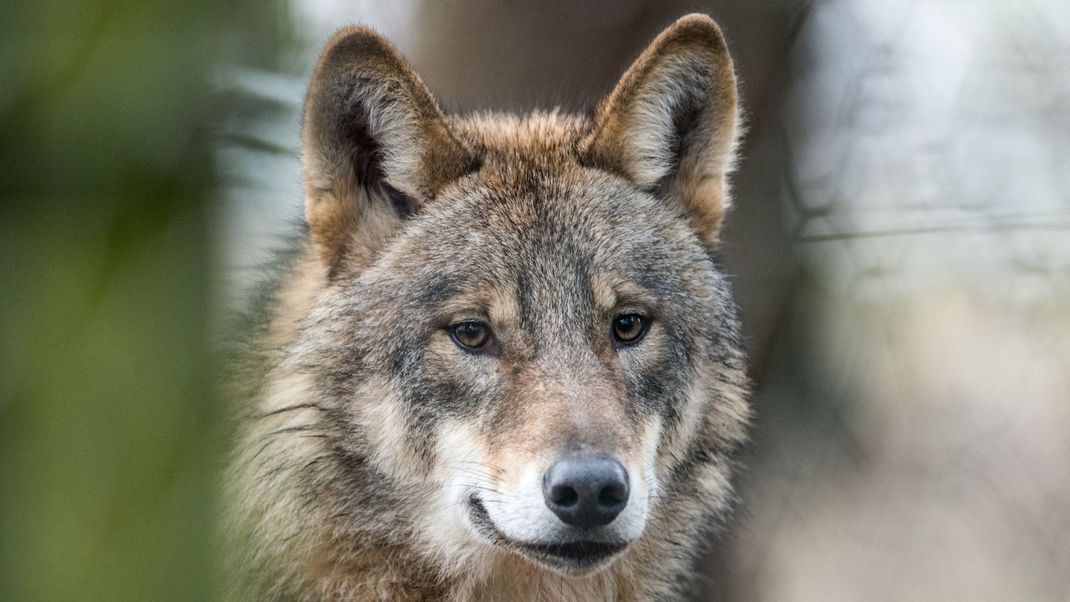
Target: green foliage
[(109, 435)]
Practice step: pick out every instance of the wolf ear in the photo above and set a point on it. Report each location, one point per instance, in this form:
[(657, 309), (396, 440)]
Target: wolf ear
[(375, 146), (670, 125)]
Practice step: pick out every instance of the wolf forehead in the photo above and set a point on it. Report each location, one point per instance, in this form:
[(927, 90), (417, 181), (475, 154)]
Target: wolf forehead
[(532, 208), (545, 247)]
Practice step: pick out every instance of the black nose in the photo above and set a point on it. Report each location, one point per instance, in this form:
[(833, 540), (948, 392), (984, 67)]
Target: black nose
[(586, 492)]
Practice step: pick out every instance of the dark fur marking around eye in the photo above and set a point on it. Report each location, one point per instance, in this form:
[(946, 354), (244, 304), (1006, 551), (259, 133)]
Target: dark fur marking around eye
[(433, 292), (403, 204)]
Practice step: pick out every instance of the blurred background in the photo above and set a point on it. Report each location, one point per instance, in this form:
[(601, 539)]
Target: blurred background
[(900, 246)]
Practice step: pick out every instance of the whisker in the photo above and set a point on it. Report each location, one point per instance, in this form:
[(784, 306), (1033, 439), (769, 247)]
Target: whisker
[(300, 406), (295, 429)]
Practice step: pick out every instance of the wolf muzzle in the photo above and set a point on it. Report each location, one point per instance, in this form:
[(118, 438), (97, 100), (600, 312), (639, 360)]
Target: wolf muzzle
[(586, 492)]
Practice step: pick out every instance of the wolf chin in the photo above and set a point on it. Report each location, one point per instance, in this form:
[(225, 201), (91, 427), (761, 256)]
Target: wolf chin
[(501, 362)]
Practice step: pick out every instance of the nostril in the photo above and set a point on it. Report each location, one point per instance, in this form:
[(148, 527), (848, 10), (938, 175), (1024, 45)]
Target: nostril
[(564, 495), (613, 494)]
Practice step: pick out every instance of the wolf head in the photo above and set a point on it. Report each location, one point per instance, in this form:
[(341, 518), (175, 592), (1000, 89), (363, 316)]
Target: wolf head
[(521, 343)]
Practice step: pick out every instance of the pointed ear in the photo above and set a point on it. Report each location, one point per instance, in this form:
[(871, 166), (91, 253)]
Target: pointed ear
[(375, 146), (670, 125)]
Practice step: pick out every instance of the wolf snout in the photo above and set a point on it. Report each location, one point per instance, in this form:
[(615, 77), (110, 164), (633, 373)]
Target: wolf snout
[(586, 492)]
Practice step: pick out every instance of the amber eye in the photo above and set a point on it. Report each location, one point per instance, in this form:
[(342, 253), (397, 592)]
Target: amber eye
[(471, 335), (629, 329)]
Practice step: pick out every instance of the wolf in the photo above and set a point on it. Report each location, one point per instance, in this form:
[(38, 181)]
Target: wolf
[(502, 361)]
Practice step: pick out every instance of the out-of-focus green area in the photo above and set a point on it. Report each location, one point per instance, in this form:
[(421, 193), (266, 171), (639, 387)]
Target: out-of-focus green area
[(109, 433)]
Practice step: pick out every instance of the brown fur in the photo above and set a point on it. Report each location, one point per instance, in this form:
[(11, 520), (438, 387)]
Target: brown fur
[(366, 432)]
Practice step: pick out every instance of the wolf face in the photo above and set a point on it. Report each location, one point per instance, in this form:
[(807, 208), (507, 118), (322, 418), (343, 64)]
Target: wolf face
[(509, 336)]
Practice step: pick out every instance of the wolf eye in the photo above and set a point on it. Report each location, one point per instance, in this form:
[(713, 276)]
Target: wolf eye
[(472, 336), (629, 329)]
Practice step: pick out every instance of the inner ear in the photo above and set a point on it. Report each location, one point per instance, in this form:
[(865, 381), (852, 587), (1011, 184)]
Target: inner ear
[(376, 147), (686, 124), (368, 173)]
